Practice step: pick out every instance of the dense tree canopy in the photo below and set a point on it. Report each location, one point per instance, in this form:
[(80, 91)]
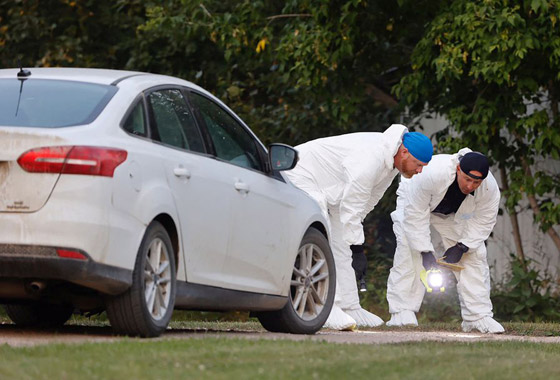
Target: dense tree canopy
[(492, 67), (295, 70), (79, 33)]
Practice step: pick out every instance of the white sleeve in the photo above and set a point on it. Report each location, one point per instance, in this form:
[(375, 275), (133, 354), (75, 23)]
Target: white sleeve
[(480, 226), (417, 211)]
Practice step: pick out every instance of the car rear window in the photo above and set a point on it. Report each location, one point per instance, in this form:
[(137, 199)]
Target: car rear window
[(47, 103)]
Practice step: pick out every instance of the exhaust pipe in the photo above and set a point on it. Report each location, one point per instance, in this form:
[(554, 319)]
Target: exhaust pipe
[(36, 287)]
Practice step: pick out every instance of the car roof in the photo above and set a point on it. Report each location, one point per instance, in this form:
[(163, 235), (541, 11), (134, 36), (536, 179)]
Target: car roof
[(103, 76), (91, 75)]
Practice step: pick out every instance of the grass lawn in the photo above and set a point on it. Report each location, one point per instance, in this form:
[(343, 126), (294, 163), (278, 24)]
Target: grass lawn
[(220, 358), (229, 358)]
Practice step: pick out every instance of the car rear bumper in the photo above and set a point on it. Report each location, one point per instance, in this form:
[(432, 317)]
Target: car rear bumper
[(43, 263)]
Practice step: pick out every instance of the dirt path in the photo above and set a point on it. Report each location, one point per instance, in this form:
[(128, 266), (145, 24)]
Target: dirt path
[(17, 337)]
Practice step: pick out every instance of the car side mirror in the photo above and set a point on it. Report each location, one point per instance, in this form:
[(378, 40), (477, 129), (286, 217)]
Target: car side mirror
[(282, 157)]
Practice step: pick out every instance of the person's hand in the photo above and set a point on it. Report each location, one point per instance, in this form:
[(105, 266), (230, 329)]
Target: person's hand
[(454, 254), (359, 261), (428, 260)]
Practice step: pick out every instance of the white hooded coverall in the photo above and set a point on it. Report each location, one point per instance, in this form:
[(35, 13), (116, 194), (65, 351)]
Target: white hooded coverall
[(471, 225), (347, 175)]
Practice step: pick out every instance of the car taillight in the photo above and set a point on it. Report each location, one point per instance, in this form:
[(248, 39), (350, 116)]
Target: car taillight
[(87, 160)]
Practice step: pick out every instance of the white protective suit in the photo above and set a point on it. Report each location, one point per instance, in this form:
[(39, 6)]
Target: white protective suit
[(471, 225), (347, 175)]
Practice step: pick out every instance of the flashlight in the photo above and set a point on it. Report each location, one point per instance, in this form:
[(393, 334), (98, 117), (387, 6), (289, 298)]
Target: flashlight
[(363, 287), (435, 279), (432, 280)]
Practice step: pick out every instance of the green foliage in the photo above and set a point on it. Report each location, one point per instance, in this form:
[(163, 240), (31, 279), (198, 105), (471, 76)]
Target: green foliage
[(79, 33), (294, 70), (527, 296), (492, 68)]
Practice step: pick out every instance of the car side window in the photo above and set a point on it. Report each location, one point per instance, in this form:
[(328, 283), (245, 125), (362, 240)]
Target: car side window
[(136, 122), (231, 140), (174, 122)]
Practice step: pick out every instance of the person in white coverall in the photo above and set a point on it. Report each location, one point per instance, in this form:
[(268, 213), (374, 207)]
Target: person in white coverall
[(347, 175), (458, 197)]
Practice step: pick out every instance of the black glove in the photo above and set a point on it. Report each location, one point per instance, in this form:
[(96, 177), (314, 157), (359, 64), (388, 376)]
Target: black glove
[(428, 260), (454, 254), (359, 261)]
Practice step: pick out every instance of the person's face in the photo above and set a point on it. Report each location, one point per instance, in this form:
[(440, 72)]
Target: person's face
[(468, 184), (410, 165)]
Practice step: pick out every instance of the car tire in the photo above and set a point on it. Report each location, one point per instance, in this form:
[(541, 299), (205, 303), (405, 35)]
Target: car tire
[(312, 289), (145, 309), (38, 314)]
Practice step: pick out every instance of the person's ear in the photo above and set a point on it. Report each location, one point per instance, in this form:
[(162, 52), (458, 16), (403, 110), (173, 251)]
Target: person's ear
[(404, 152)]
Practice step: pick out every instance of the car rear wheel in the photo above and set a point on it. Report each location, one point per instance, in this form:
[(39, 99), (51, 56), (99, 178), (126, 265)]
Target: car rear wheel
[(38, 314), (312, 289), (145, 309)]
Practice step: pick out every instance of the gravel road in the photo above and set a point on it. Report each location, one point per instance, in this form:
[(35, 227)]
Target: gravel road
[(17, 337)]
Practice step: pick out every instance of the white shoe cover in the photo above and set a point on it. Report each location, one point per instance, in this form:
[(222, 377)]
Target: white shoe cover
[(364, 318), (485, 325), (403, 318), (339, 320)]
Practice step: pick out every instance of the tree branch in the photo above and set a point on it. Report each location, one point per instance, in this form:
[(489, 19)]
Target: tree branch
[(289, 15), (380, 96), (514, 223)]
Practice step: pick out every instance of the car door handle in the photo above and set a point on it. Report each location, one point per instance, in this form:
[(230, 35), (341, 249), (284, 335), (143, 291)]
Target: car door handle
[(242, 187), (182, 172)]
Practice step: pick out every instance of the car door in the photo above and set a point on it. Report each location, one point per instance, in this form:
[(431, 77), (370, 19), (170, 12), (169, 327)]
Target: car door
[(261, 207), (201, 195)]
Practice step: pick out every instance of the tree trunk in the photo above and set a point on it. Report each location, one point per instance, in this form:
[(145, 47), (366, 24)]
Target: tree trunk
[(514, 223), (535, 206), (552, 93)]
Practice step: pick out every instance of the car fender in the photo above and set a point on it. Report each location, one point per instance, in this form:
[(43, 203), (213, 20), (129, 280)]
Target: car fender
[(314, 218), (135, 211)]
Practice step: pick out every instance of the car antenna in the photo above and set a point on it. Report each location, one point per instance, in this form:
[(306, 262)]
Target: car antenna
[(22, 76)]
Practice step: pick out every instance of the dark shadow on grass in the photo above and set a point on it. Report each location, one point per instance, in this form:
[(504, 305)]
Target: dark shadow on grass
[(66, 329)]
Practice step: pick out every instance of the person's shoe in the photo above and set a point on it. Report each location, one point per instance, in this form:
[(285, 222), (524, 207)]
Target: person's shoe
[(364, 318), (403, 318), (339, 320), (486, 325)]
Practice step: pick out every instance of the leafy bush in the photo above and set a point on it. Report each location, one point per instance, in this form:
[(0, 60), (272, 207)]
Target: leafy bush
[(527, 295)]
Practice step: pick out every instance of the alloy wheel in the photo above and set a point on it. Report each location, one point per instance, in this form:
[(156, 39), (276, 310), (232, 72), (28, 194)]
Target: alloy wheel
[(157, 279), (310, 282)]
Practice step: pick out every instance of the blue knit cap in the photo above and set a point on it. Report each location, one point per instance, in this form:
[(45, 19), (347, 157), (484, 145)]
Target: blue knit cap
[(419, 146)]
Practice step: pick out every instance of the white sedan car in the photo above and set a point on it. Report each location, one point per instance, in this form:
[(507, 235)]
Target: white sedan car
[(138, 193)]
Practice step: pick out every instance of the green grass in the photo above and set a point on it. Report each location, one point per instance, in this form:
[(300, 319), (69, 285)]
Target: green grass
[(221, 358), (232, 358)]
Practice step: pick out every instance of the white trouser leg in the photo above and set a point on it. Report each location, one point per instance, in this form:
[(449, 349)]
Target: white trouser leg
[(473, 286), (473, 282), (346, 286), (404, 288)]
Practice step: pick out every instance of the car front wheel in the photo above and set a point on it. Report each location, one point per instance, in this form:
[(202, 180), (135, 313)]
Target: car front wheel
[(145, 309), (312, 289)]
